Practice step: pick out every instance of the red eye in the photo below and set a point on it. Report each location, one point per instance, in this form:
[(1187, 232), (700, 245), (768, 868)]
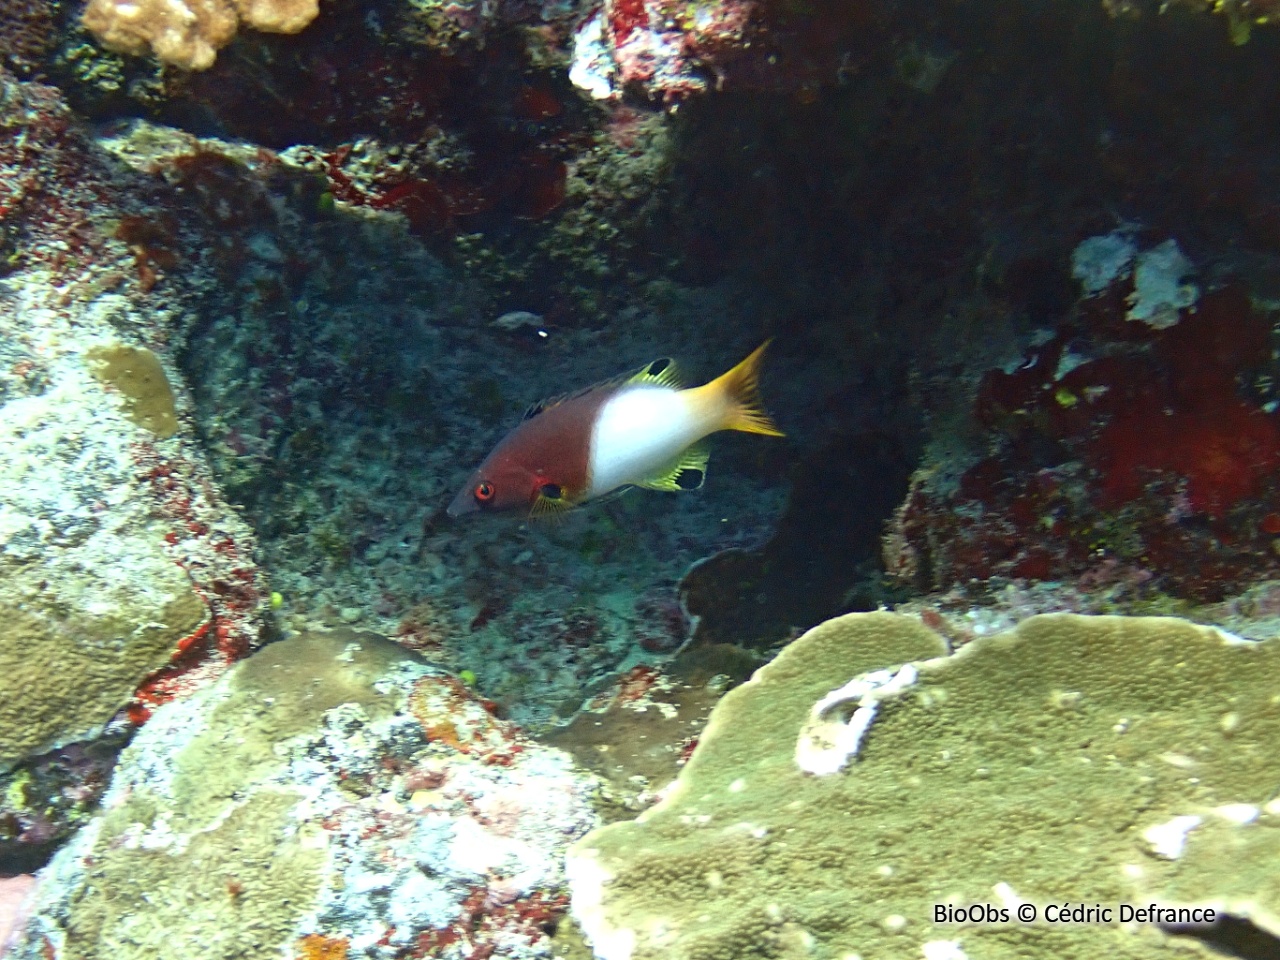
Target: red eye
[(485, 491)]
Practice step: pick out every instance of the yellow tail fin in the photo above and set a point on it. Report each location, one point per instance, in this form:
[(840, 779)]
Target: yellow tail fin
[(739, 389)]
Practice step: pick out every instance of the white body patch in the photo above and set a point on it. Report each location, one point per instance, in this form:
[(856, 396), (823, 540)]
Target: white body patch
[(640, 431)]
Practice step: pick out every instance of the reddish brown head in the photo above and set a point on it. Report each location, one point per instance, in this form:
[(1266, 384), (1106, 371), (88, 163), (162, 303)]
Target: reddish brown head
[(498, 484), (543, 460)]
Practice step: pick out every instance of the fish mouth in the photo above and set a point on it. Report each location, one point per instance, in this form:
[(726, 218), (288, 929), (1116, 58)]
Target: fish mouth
[(462, 504)]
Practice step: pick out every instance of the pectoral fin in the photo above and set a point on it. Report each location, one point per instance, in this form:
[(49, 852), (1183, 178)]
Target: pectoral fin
[(550, 503)]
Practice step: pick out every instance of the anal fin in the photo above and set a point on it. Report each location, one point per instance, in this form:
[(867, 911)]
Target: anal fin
[(686, 472)]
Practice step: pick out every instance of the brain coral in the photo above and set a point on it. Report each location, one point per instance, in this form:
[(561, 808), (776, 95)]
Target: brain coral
[(1088, 759)]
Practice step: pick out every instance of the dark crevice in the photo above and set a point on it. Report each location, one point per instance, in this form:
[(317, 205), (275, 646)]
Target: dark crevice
[(1234, 937)]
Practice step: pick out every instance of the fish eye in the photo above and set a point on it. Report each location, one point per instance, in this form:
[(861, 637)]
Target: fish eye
[(551, 491), (484, 491)]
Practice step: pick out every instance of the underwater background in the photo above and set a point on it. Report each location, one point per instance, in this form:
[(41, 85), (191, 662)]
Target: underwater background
[(994, 623)]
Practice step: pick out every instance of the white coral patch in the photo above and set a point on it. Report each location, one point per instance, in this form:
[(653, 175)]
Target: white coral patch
[(1233, 639), (592, 68), (587, 882), (1007, 896), (1099, 261), (1168, 839), (943, 950), (838, 722), (1238, 813), (1158, 288)]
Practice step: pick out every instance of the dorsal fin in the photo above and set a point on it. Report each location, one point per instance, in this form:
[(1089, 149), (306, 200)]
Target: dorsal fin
[(659, 373), (547, 404), (536, 408)]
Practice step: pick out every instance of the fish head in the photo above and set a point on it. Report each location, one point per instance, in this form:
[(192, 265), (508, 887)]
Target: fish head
[(540, 466), (495, 487)]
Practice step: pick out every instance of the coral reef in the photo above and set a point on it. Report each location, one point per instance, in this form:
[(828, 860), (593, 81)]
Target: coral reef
[(671, 51), (47, 798), (1096, 759), (292, 360), (312, 801), (64, 677), (636, 734), (375, 340), (1146, 449), (27, 35), (126, 577), (137, 375), (260, 319)]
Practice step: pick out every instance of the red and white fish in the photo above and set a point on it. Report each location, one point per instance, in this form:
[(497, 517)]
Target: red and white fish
[(640, 430)]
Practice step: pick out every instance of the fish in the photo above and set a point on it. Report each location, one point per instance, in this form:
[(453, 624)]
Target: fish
[(643, 429)]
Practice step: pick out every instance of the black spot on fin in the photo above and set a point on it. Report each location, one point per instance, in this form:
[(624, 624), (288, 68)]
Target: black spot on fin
[(690, 478), (686, 472), (660, 373)]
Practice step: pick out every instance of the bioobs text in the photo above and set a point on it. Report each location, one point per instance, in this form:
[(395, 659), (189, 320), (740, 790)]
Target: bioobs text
[(1066, 914), (978, 913)]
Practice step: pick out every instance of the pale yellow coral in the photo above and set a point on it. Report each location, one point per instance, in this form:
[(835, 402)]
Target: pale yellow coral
[(189, 33), (64, 672), (1097, 760), (277, 16)]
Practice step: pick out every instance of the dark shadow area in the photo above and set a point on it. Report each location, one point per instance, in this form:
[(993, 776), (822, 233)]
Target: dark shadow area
[(1235, 937), (825, 542), (57, 791)]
